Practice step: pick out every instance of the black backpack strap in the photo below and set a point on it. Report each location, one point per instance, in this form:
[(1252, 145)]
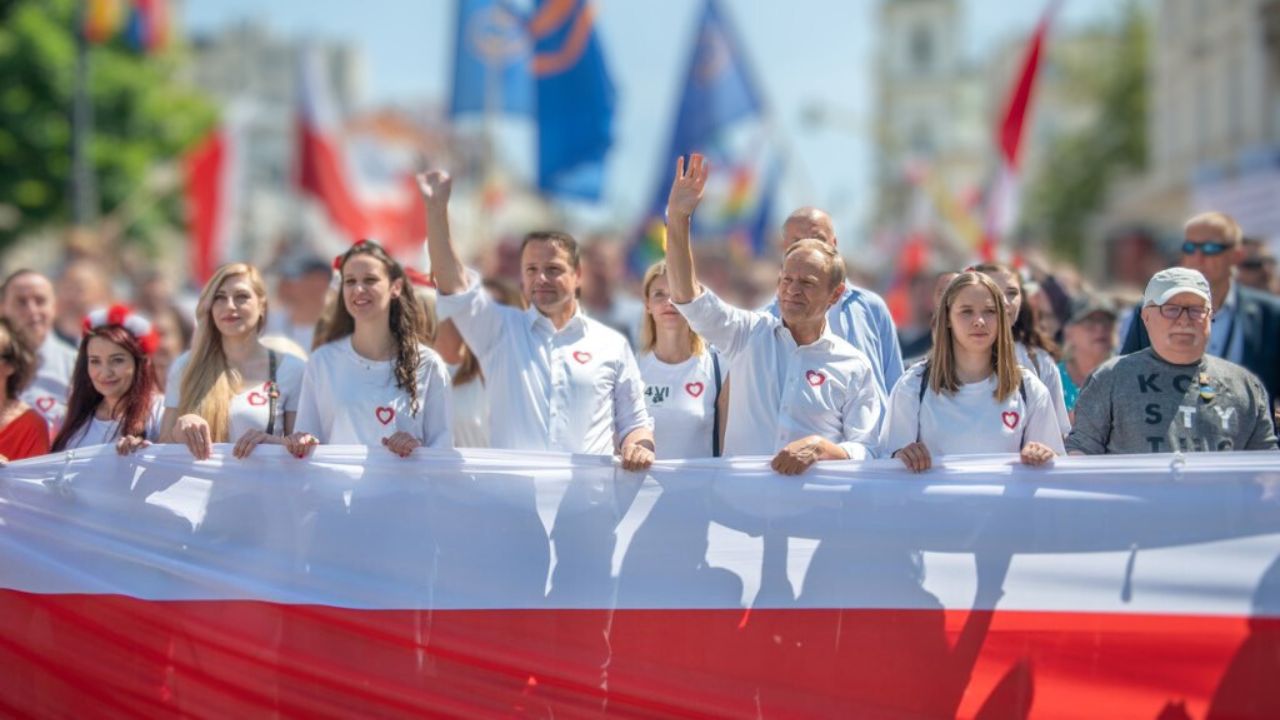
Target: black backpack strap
[(1022, 390), (924, 385), (715, 405), (273, 391)]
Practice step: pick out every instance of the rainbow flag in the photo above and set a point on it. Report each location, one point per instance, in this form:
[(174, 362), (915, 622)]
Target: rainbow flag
[(142, 24)]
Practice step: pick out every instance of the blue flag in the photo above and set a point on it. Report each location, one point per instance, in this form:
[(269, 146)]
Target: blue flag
[(575, 99), (491, 65), (722, 116)]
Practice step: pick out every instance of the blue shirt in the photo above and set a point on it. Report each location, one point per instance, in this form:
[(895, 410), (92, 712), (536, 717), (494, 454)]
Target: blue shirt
[(862, 319)]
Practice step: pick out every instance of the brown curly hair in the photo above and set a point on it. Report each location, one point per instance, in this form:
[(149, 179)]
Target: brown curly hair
[(408, 320)]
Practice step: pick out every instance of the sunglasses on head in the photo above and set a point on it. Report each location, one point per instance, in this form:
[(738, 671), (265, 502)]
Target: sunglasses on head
[(1209, 249)]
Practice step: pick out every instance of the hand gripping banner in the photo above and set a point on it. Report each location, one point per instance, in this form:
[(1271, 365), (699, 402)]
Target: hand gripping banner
[(496, 584)]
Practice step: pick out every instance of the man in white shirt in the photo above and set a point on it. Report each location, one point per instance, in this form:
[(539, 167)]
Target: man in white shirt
[(859, 316), (27, 300), (799, 390), (557, 379)]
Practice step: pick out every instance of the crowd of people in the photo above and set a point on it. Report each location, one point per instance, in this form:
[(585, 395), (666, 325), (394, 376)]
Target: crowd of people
[(369, 352)]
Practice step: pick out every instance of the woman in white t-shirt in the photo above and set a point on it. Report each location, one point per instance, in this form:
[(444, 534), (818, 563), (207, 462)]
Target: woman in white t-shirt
[(682, 377), (230, 387), (114, 398), (371, 380), (1036, 352), (970, 396)]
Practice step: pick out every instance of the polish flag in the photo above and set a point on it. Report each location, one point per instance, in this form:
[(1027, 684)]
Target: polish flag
[(500, 584), (214, 177), (1004, 201), (323, 173)]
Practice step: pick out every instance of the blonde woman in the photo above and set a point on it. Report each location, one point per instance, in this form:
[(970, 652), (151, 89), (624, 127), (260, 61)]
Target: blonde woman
[(683, 378), (230, 387), (970, 396)]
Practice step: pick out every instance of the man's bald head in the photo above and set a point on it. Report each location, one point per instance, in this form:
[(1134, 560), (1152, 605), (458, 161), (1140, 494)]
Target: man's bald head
[(808, 222)]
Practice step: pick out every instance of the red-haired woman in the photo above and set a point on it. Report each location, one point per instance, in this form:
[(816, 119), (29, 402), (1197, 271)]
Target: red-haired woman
[(114, 398)]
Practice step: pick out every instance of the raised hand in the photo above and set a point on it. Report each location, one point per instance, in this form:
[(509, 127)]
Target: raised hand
[(687, 187), (435, 186)]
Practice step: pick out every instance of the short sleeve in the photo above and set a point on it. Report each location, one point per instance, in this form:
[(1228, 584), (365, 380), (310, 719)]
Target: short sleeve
[(289, 378), (173, 381), (902, 421)]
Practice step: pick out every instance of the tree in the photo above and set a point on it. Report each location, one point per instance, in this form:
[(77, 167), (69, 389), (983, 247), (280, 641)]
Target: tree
[(1080, 168), (143, 117)]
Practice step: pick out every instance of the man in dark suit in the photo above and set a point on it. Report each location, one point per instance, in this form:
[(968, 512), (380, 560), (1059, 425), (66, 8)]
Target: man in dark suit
[(1246, 322)]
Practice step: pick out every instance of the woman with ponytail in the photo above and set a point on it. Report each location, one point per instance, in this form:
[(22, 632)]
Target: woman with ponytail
[(230, 387), (371, 380), (114, 398)]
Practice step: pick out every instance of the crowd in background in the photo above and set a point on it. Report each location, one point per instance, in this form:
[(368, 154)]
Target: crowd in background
[(551, 346)]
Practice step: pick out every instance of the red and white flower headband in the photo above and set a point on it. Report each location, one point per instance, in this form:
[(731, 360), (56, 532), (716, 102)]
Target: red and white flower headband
[(124, 316)]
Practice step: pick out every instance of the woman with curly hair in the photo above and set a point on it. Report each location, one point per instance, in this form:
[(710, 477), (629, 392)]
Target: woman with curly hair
[(371, 380)]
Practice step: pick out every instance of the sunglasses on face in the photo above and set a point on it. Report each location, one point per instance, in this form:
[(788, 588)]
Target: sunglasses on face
[(1173, 312), (1209, 249)]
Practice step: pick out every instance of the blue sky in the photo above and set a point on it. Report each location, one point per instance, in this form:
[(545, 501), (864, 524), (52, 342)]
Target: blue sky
[(804, 52)]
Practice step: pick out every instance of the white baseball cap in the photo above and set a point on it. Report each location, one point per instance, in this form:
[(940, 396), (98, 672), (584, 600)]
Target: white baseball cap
[(1168, 283)]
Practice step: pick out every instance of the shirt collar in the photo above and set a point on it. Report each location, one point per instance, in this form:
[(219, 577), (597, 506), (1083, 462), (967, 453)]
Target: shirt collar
[(536, 319)]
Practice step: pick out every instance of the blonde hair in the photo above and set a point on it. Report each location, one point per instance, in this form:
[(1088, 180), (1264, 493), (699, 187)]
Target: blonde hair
[(835, 263), (942, 362), (1220, 221), (208, 382), (649, 329)]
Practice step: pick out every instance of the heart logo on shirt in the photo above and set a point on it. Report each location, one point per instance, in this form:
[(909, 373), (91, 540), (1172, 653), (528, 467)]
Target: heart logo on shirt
[(1010, 419), (45, 403), (814, 377), (582, 357), (257, 399), (385, 415), (694, 388)]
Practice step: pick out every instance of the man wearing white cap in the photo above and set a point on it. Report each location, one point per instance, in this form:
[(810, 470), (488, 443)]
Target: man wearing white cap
[(1172, 396)]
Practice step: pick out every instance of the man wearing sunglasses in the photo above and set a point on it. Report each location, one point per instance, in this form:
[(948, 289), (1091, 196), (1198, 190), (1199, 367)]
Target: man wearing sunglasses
[(1172, 396), (1246, 322)]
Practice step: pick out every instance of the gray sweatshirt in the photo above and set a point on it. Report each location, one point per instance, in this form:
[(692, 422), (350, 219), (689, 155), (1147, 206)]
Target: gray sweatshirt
[(1140, 403)]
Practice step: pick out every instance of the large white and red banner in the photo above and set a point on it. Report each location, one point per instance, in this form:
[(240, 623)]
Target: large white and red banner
[(495, 584)]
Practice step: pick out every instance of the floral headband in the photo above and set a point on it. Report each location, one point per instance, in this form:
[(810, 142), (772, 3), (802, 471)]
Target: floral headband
[(124, 316)]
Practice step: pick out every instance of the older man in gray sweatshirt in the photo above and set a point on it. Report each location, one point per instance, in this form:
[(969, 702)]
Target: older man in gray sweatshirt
[(1172, 396)]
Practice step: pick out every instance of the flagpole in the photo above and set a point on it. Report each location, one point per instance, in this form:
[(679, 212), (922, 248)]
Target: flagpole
[(83, 190)]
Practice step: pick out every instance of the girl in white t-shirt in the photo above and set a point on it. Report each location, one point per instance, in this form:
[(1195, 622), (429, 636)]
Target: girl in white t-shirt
[(970, 396), (371, 380), (682, 377), (114, 398), (1035, 352), (230, 387)]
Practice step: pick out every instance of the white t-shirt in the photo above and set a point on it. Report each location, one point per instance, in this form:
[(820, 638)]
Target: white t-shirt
[(101, 432), (576, 389), (1046, 371), (782, 391), (470, 412), (970, 422), (681, 399), (48, 391), (349, 400), (250, 408)]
